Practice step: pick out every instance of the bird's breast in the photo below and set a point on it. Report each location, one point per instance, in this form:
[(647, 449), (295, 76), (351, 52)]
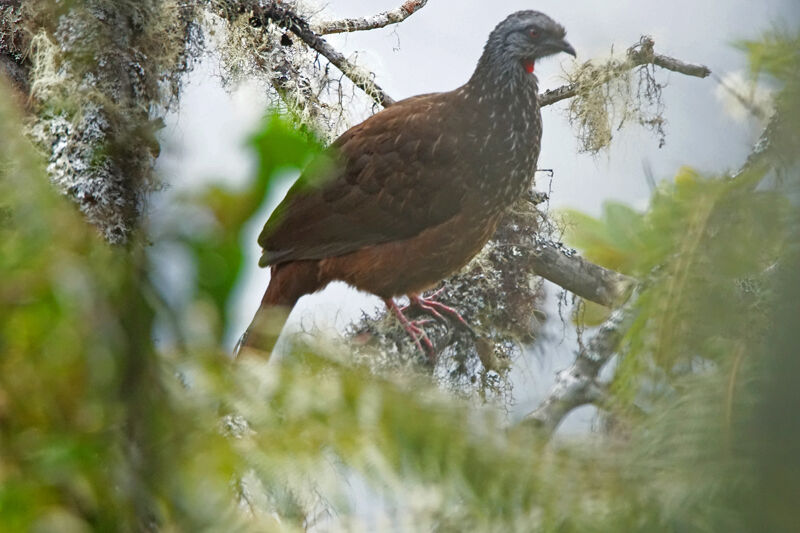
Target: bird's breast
[(507, 154)]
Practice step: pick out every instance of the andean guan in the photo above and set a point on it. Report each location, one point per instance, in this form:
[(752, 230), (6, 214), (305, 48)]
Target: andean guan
[(411, 194)]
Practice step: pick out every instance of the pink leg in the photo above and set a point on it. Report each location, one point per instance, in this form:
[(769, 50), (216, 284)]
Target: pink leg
[(413, 302), (413, 330), (438, 309)]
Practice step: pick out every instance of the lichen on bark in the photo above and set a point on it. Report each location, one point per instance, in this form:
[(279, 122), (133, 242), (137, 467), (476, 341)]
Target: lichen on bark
[(102, 73)]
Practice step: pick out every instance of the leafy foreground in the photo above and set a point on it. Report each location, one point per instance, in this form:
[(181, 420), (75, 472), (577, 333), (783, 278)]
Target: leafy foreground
[(102, 429)]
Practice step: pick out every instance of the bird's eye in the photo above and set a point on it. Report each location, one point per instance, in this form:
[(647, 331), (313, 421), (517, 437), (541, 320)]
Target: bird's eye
[(534, 33)]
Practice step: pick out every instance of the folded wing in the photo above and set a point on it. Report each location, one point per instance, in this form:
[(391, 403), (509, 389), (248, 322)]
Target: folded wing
[(386, 179)]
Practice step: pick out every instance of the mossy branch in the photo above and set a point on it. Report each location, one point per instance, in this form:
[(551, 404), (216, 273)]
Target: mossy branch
[(642, 53), (263, 14), (95, 75), (500, 294)]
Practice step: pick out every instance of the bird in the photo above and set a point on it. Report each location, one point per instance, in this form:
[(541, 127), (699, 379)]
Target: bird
[(407, 197)]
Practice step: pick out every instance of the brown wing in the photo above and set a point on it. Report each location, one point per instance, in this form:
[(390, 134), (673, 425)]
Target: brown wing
[(389, 178)]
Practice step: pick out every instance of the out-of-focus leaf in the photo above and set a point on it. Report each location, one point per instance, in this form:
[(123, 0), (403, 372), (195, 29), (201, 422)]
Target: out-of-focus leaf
[(216, 247)]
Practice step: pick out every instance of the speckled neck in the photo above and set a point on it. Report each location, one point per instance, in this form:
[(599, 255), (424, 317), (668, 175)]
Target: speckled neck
[(502, 77)]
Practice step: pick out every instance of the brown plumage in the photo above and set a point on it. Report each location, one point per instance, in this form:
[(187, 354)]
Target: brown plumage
[(410, 195)]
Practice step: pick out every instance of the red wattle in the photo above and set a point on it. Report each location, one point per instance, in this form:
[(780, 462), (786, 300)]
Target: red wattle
[(529, 66)]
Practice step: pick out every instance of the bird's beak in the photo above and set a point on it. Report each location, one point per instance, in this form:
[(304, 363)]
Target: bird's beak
[(563, 46)]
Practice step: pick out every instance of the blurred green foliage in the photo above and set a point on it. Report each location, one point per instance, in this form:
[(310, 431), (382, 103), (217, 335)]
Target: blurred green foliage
[(100, 429), (214, 243)]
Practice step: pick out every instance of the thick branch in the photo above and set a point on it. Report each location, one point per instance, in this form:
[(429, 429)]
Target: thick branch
[(102, 75), (564, 267), (577, 385), (393, 16), (282, 16), (641, 54)]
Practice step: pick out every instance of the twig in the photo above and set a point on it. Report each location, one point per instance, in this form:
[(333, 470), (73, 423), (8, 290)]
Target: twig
[(643, 53), (640, 54), (276, 13), (393, 16)]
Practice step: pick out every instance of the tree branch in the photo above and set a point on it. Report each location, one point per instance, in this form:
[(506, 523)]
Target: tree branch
[(393, 16), (642, 53), (14, 42), (102, 77), (563, 266), (274, 12), (577, 385)]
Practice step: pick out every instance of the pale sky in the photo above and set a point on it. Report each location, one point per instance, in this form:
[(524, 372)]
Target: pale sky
[(435, 50)]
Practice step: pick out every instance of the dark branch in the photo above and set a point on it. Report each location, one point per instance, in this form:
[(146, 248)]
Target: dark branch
[(393, 16), (263, 14)]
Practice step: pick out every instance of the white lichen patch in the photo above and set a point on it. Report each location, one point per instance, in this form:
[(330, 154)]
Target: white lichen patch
[(102, 73)]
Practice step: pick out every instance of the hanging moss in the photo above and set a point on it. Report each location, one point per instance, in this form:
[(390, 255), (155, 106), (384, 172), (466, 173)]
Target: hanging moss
[(610, 94)]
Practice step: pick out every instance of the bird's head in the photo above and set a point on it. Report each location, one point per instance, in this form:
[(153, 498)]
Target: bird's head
[(526, 36)]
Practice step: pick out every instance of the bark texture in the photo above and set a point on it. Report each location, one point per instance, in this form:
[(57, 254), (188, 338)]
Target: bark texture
[(97, 75), (14, 42)]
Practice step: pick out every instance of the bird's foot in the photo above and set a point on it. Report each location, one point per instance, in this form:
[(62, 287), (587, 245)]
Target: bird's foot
[(414, 330), (439, 310)]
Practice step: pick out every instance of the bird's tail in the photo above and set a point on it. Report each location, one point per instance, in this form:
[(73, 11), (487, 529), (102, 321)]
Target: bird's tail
[(288, 282), (262, 334)]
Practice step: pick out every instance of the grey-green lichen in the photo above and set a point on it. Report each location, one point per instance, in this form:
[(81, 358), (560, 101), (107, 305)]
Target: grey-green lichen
[(610, 94), (102, 73), (13, 44)]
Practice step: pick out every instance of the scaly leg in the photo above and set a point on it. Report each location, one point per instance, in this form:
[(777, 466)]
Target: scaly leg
[(438, 309), (413, 330)]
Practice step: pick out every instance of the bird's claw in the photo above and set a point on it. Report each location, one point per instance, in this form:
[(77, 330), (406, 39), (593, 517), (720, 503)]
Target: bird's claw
[(438, 310), (414, 330)]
